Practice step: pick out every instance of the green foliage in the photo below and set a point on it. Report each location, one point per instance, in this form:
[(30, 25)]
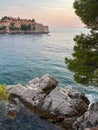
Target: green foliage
[(25, 27), (85, 59), (29, 27), (3, 27), (5, 18), (87, 10), (18, 18), (84, 63), (33, 20), (3, 94)]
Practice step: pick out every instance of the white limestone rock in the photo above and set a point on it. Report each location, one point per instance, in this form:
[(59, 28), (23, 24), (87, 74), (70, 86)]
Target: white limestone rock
[(57, 104)]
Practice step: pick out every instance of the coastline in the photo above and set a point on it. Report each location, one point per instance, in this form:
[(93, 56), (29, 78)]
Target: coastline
[(23, 32)]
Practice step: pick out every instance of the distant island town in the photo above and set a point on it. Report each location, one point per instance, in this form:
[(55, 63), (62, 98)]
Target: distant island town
[(12, 25)]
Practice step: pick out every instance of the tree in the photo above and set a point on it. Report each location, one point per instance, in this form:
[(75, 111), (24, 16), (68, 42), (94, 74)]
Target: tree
[(29, 27), (25, 27), (18, 18), (4, 18), (84, 63), (87, 10), (33, 20), (85, 59)]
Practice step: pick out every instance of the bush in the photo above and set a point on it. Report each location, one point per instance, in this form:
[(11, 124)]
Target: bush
[(3, 94)]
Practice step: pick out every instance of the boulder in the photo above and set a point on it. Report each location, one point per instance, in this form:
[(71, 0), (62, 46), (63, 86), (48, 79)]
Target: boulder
[(43, 84), (61, 105), (34, 92), (16, 89), (64, 101), (89, 119), (23, 119)]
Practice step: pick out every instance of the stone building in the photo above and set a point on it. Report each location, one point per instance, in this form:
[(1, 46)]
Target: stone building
[(13, 25)]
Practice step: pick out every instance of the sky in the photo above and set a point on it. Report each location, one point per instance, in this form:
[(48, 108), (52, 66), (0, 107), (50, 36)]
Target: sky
[(55, 13)]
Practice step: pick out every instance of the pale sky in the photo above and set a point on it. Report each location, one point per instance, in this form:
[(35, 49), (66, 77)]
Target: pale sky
[(58, 13)]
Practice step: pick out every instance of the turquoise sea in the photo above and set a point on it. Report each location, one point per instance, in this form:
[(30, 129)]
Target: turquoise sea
[(24, 57)]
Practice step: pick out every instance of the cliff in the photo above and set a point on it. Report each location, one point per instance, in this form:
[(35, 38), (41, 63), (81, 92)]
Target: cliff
[(16, 25)]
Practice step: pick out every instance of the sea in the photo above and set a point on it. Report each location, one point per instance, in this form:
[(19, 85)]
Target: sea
[(25, 57)]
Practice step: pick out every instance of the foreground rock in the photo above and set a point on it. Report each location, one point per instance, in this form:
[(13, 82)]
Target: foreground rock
[(89, 120), (60, 105), (25, 120)]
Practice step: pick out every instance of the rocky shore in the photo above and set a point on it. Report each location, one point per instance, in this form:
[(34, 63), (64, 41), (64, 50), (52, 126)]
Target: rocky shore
[(63, 106), (23, 32)]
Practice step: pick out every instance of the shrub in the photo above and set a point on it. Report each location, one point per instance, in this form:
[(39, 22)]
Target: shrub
[(3, 93)]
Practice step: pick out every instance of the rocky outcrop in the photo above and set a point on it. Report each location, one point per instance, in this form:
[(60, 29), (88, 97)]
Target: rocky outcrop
[(61, 105), (89, 120), (25, 120)]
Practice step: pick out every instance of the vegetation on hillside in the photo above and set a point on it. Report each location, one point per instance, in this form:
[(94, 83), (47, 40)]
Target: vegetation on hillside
[(5, 18), (84, 63)]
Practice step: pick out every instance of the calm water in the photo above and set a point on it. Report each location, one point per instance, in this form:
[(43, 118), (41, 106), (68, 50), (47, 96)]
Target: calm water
[(24, 57)]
